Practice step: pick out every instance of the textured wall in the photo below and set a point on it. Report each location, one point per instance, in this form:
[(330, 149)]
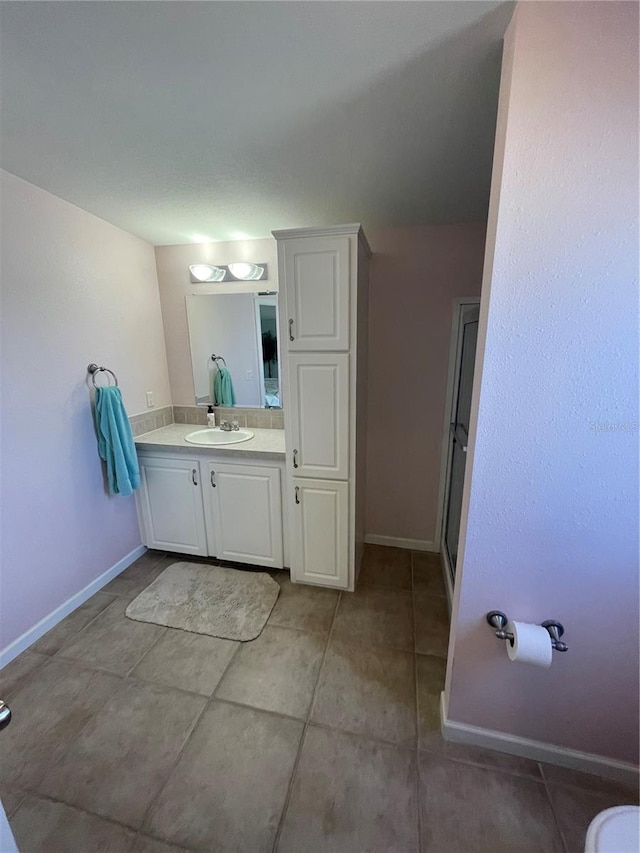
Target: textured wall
[(552, 526), (415, 275), (74, 290)]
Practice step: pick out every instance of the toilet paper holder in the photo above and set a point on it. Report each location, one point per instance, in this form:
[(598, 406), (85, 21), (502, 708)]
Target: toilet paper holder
[(498, 622)]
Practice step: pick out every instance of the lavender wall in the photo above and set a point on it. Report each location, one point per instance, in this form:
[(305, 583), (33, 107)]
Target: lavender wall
[(74, 290), (550, 515), (415, 275)]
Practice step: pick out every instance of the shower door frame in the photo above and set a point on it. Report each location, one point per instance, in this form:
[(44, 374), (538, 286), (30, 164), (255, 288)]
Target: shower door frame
[(460, 303)]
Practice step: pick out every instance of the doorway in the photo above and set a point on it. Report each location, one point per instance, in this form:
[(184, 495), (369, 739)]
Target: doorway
[(462, 362)]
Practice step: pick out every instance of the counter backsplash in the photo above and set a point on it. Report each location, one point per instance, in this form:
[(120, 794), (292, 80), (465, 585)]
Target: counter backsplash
[(246, 417), (154, 419)]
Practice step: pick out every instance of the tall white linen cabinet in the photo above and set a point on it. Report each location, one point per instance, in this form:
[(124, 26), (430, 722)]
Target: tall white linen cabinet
[(323, 280)]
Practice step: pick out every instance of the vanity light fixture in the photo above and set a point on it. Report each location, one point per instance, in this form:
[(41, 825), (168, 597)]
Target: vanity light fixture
[(206, 272), (241, 271), (248, 272)]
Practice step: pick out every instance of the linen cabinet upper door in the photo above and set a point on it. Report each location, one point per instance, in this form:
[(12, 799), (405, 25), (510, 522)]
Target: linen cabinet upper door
[(316, 273), (319, 415)]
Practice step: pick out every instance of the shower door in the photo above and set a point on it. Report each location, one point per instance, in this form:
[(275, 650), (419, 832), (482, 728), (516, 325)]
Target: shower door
[(459, 430)]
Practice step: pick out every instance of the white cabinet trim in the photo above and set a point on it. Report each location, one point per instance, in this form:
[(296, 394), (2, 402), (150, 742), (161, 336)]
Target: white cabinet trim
[(194, 540), (219, 503), (319, 426), (309, 546)]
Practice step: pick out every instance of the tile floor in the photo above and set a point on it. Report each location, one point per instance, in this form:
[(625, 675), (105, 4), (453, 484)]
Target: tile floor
[(321, 736)]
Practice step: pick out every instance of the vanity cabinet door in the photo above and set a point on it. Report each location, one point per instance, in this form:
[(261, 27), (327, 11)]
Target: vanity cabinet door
[(319, 415), (170, 501), (245, 503), (320, 533), (316, 274)]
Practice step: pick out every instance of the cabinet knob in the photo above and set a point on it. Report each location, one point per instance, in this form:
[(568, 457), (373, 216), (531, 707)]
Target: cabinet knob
[(295, 458), (297, 494), (213, 482), (194, 476), (291, 338)]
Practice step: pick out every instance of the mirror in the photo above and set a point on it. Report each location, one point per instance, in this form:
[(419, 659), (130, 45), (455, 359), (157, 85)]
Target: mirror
[(241, 331)]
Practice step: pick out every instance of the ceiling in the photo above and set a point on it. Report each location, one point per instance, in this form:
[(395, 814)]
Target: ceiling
[(182, 121)]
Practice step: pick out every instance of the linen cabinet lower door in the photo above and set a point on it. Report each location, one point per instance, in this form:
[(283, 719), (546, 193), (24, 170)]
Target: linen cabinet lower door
[(320, 532), (170, 501), (246, 505)]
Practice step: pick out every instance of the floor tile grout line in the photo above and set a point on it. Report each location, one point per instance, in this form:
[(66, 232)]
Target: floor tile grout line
[(382, 587), (75, 635), (563, 841), (466, 762), (84, 628), (78, 732), (296, 763), (235, 654), (83, 810), (145, 653), (22, 798), (244, 707), (393, 744), (40, 795), (19, 684), (417, 710), (173, 766)]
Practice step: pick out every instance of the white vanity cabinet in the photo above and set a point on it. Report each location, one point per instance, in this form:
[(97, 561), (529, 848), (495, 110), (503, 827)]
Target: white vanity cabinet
[(319, 397), (243, 511), (170, 505), (315, 269), (208, 506), (320, 535), (323, 281)]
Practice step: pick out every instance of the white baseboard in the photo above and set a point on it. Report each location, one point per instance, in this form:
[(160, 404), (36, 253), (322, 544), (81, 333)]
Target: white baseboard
[(395, 542), (29, 637), (537, 750)]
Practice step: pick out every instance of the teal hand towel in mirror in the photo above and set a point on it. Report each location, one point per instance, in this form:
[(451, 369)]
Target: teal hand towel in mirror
[(115, 442), (223, 388)]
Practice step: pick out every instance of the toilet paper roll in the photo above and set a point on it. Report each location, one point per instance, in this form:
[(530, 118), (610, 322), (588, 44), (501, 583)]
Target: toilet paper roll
[(531, 644)]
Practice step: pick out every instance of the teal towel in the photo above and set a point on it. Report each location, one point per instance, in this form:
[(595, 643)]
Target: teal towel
[(223, 388), (115, 442)]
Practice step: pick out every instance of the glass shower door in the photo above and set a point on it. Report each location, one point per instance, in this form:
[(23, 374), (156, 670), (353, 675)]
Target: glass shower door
[(459, 429)]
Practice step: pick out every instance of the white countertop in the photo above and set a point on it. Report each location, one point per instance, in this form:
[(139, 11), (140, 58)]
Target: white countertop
[(267, 443)]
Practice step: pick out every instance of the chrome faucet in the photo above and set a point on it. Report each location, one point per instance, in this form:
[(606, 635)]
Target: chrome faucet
[(229, 427)]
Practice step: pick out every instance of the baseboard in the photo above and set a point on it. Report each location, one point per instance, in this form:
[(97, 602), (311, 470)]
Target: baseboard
[(48, 622), (537, 750), (395, 542)]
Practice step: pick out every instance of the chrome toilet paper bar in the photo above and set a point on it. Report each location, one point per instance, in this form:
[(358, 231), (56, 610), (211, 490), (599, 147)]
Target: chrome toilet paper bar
[(498, 622)]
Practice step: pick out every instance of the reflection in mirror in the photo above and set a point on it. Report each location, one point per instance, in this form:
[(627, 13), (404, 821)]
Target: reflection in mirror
[(241, 331)]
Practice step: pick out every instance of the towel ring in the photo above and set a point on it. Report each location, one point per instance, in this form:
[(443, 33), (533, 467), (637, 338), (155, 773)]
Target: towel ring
[(93, 369), (217, 358)]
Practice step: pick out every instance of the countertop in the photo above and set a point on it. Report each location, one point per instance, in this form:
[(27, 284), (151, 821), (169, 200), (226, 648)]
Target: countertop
[(266, 443)]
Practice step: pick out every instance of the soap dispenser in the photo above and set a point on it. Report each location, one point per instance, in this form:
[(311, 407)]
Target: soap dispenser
[(211, 417)]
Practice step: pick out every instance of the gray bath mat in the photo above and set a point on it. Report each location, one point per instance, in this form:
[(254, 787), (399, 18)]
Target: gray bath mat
[(206, 599)]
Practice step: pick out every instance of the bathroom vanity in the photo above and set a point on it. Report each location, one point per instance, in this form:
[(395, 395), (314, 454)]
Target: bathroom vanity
[(253, 502), (223, 501)]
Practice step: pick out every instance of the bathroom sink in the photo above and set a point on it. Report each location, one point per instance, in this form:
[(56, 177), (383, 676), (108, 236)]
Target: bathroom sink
[(218, 436)]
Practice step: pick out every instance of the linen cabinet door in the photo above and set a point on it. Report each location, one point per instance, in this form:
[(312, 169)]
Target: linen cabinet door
[(170, 501), (320, 533), (246, 502), (316, 272), (319, 415)]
